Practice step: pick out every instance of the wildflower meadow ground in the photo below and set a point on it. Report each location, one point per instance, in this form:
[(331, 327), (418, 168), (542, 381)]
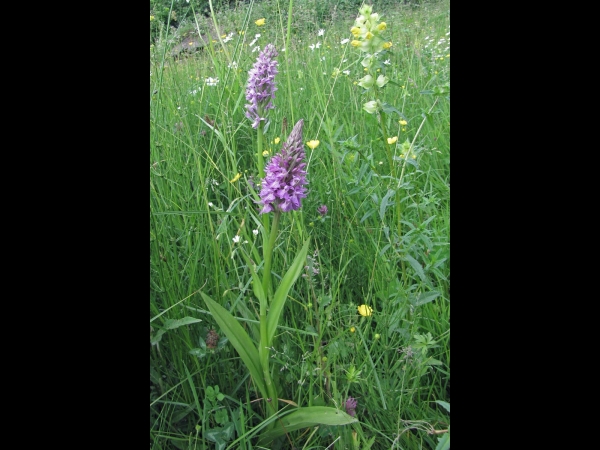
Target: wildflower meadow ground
[(300, 226)]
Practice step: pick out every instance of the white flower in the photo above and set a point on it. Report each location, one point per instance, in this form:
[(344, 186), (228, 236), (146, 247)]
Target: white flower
[(322, 58), (387, 62), (255, 232), (228, 38), (232, 65), (210, 204), (256, 49), (312, 47), (344, 41), (283, 49), (236, 239), (195, 91), (347, 72), (256, 36), (318, 44), (321, 32), (210, 81)]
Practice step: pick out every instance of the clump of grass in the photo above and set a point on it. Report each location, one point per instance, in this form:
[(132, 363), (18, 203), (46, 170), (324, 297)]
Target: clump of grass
[(369, 317)]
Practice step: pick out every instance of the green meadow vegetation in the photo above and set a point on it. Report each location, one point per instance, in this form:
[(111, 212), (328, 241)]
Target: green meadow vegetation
[(300, 264)]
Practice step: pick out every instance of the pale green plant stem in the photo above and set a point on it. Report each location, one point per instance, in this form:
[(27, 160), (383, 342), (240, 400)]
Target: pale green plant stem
[(263, 350), (268, 256)]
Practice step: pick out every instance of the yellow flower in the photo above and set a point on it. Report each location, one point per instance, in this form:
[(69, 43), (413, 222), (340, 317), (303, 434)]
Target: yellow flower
[(277, 140), (382, 26), (265, 153), (313, 144), (151, 18), (369, 35), (355, 31), (387, 45), (392, 140), (260, 22), (352, 329), (223, 36), (365, 310), (355, 43), (237, 177), (403, 122)]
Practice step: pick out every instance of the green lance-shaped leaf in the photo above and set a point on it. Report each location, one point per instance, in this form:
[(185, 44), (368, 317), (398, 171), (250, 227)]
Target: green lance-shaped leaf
[(308, 417), (240, 341), (171, 324), (280, 296)]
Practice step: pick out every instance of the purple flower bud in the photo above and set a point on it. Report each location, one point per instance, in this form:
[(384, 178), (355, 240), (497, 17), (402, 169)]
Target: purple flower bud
[(351, 406), (322, 210), (260, 89), (285, 176)]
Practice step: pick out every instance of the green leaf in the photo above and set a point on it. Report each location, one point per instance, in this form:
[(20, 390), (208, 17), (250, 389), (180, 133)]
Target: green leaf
[(387, 108), (446, 405), (426, 298), (171, 324), (280, 296), (416, 266), (385, 203), (444, 441), (308, 417), (240, 341)]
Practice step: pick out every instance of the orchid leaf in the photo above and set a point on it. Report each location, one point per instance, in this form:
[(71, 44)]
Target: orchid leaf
[(308, 417), (280, 296), (239, 339)]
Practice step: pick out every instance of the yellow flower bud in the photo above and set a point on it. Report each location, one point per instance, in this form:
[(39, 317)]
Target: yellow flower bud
[(403, 122)]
